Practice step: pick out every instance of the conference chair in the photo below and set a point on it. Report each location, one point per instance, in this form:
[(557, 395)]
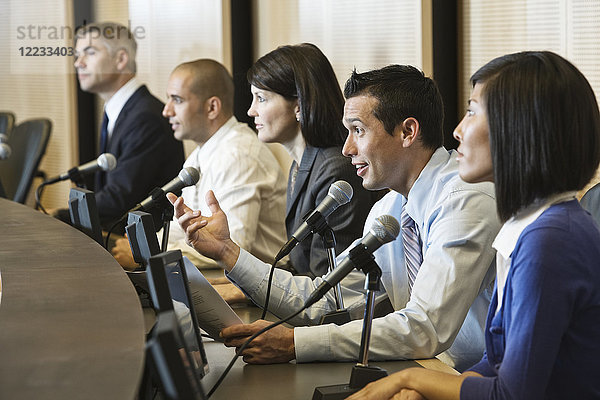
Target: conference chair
[(28, 142), (7, 120)]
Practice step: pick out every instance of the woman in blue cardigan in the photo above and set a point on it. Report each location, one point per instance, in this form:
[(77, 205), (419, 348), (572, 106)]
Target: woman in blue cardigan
[(533, 127)]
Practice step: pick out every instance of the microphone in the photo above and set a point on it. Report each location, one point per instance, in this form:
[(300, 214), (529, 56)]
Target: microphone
[(339, 193), (385, 228), (5, 150), (105, 162), (187, 177)]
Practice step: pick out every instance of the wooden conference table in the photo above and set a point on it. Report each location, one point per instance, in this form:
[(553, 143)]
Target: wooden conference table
[(71, 325)]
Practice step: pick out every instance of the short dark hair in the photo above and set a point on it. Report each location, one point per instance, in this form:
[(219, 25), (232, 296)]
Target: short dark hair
[(210, 78), (544, 127), (303, 72), (402, 91)]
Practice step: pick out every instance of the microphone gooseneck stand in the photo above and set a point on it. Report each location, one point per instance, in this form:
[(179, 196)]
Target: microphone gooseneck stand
[(362, 372), (74, 175), (340, 316), (77, 178), (167, 216), (318, 225)]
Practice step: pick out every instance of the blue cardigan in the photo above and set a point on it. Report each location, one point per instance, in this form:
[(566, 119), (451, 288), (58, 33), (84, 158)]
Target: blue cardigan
[(544, 343)]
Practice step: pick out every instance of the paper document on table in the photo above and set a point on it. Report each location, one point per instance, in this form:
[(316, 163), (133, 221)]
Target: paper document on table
[(213, 313)]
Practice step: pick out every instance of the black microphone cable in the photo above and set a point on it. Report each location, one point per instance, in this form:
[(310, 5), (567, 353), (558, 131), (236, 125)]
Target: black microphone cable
[(271, 272), (322, 228), (38, 197), (240, 349)]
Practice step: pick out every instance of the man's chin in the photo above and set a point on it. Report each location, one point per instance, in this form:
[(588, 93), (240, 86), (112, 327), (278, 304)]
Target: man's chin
[(372, 185), (367, 184)]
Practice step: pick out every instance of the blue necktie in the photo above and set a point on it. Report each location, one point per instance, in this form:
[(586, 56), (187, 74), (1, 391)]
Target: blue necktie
[(104, 134), (412, 247)]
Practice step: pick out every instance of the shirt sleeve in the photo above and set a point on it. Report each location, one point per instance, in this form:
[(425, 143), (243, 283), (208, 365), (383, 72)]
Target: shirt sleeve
[(289, 292), (455, 269), (456, 263)]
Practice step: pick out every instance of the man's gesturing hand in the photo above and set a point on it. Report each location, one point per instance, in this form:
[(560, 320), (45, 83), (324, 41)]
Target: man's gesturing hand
[(208, 235)]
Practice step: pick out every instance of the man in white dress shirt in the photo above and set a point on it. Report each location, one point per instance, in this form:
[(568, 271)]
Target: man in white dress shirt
[(394, 118), (243, 173)]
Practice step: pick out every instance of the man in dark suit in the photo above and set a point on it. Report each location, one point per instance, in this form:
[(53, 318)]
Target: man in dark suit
[(133, 128)]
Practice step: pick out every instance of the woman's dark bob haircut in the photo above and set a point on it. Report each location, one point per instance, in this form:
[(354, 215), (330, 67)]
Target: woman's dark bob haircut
[(303, 72), (544, 127)]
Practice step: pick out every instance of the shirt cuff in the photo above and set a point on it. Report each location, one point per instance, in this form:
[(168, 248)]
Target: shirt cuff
[(248, 273), (312, 343)]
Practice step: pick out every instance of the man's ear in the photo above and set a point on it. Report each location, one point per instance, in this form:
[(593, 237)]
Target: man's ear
[(122, 58), (214, 106), (410, 130)]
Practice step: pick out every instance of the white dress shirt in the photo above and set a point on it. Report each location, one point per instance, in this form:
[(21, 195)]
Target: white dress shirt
[(457, 223), (115, 104), (249, 185)]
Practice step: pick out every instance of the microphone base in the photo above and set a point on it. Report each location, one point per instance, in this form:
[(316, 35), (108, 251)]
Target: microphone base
[(338, 317), (333, 392), (361, 376)]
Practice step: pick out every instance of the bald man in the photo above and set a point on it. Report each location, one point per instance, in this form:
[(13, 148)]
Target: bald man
[(242, 171)]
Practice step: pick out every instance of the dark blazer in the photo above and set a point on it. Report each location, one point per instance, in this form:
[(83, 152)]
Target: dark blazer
[(148, 156), (319, 168)]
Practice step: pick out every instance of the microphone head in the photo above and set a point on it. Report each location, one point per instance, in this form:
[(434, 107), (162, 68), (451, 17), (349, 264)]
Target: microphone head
[(107, 162), (5, 151), (190, 176), (385, 228), (341, 192)]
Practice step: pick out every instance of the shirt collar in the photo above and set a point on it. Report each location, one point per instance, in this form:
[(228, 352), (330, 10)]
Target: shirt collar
[(510, 232), (422, 186), (214, 140), (115, 104)]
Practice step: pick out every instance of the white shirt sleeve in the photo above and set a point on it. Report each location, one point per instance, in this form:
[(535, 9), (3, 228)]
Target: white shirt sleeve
[(455, 270)]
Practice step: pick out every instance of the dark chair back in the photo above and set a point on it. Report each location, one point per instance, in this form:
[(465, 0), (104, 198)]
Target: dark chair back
[(28, 142), (7, 120)]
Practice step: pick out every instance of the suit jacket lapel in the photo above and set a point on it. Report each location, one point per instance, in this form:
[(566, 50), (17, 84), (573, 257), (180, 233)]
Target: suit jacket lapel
[(308, 159), (142, 90), (112, 145)]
